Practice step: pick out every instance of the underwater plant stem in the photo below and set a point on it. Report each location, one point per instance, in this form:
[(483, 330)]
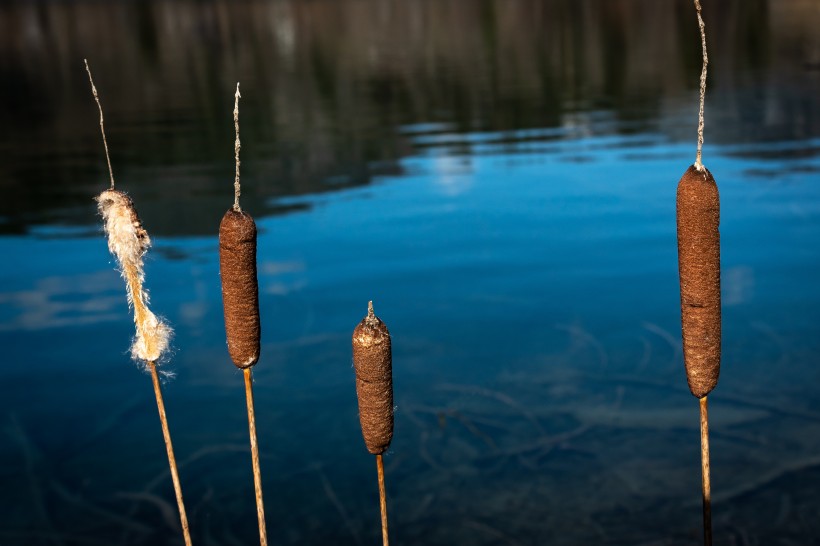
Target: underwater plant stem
[(257, 473), (172, 462), (382, 498), (704, 462), (702, 27)]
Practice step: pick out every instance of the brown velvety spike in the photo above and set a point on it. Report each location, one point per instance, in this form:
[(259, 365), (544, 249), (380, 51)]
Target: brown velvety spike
[(373, 362), (240, 291), (698, 205)]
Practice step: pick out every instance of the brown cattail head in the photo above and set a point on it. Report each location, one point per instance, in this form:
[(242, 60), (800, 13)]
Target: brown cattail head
[(373, 362), (240, 291), (698, 205)]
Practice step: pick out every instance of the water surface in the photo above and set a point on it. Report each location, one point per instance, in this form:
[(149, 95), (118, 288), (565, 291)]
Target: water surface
[(499, 178)]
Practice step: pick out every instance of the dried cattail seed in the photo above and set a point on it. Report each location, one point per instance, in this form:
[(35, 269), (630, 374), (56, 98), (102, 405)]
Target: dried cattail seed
[(128, 242), (373, 364), (698, 216), (240, 291)]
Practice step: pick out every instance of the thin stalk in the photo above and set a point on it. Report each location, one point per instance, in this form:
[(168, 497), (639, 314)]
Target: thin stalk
[(704, 463), (102, 122), (169, 448), (257, 472), (236, 146), (702, 27), (382, 497)]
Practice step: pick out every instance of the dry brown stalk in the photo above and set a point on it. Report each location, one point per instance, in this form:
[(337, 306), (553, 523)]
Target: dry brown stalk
[(102, 122), (382, 497), (702, 27), (236, 147), (169, 448), (705, 474), (257, 472)]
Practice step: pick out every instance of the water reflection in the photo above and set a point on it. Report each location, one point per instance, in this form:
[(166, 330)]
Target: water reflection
[(329, 86), (55, 302)]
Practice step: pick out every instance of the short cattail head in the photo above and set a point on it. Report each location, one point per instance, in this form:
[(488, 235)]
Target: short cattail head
[(240, 290), (128, 242), (373, 363)]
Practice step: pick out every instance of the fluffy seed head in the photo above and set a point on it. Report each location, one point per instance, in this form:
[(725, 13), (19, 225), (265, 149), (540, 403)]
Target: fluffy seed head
[(127, 239), (128, 242)]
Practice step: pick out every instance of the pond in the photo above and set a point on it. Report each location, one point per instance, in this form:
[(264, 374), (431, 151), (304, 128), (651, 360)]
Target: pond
[(499, 178)]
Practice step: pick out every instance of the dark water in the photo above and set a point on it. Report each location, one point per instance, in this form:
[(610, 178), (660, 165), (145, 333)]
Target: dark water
[(499, 178)]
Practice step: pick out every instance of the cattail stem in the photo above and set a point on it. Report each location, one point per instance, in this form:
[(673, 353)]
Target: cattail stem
[(257, 472), (102, 124), (240, 299), (382, 497), (169, 448), (702, 27), (704, 463), (236, 148)]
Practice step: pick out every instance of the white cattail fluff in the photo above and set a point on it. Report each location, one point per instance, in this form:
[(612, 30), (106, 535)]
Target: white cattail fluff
[(128, 242)]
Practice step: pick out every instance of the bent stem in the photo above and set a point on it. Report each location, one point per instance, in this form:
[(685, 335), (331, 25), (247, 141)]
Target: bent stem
[(257, 472), (169, 448), (704, 462), (382, 497)]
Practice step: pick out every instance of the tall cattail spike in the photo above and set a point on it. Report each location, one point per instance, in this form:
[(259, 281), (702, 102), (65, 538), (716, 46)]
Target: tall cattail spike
[(702, 26), (102, 123), (236, 146)]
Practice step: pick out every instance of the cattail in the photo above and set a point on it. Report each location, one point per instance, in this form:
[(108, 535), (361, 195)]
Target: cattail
[(373, 363), (128, 242), (698, 219), (240, 291), (698, 216), (240, 300)]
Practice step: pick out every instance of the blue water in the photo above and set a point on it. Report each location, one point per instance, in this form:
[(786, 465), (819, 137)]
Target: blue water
[(527, 272), (521, 289)]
